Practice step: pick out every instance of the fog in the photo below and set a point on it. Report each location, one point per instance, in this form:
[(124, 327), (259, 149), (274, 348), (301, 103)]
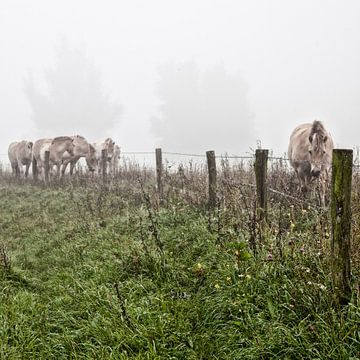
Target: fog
[(188, 76)]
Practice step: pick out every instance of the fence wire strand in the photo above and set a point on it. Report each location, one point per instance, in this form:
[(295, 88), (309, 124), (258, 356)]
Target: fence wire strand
[(238, 184)]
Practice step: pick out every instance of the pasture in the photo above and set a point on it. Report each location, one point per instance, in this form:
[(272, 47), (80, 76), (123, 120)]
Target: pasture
[(100, 268)]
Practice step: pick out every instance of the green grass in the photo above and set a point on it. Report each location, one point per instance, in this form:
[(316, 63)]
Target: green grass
[(83, 276)]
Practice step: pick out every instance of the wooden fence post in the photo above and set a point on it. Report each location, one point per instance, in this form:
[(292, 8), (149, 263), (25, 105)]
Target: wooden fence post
[(211, 162), (261, 158), (103, 163), (341, 223), (47, 166), (34, 168), (159, 171)]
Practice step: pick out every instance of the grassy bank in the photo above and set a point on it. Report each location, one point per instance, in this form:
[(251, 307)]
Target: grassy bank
[(101, 272)]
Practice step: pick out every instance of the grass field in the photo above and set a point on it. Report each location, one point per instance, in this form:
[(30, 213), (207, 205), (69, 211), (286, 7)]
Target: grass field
[(101, 271)]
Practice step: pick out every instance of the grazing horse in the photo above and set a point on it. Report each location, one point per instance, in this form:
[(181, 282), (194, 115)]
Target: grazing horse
[(310, 154), (81, 149), (107, 145), (56, 148), (20, 154)]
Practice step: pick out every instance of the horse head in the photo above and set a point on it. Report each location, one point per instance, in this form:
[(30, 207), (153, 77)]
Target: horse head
[(109, 145), (28, 149), (320, 149)]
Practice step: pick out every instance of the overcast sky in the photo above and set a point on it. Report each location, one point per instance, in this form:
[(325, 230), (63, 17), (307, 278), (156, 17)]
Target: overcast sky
[(299, 59)]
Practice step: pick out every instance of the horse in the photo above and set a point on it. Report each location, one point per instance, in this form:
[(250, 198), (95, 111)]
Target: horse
[(310, 153), (56, 148), (81, 149), (20, 154), (107, 145)]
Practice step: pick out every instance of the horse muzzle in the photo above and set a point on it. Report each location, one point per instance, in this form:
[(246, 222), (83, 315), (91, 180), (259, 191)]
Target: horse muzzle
[(315, 173)]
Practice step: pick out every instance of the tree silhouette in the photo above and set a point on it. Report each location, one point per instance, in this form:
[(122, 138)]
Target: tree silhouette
[(202, 110), (74, 100)]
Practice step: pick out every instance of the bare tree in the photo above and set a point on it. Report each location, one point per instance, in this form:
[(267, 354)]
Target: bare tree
[(73, 100), (203, 110)]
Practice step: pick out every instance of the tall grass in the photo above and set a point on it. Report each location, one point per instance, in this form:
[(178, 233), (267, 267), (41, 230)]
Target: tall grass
[(94, 269)]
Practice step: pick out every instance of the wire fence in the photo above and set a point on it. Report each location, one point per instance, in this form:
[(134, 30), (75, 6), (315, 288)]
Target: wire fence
[(187, 173), (134, 155)]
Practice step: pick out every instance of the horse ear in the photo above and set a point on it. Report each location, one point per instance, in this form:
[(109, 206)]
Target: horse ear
[(310, 139)]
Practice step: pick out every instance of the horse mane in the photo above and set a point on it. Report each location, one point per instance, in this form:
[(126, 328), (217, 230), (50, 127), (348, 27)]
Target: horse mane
[(79, 137), (317, 128), (60, 138)]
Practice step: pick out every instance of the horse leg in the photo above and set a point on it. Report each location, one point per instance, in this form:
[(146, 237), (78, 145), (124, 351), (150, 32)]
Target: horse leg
[(72, 165), (51, 170), (27, 170), (20, 167), (63, 168), (58, 170), (322, 199), (18, 173), (300, 182), (39, 168), (304, 184), (322, 191), (14, 169)]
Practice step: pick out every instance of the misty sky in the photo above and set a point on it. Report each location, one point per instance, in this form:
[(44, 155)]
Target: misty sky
[(300, 60)]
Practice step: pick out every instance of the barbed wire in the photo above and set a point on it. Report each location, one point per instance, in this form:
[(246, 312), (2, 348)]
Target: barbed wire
[(241, 157), (237, 184), (137, 153), (244, 157), (183, 154), (279, 158)]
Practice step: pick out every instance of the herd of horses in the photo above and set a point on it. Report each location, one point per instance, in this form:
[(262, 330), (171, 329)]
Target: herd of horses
[(63, 150), (310, 154)]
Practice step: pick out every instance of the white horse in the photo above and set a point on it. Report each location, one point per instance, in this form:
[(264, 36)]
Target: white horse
[(20, 154), (56, 148), (310, 154), (108, 145), (81, 149)]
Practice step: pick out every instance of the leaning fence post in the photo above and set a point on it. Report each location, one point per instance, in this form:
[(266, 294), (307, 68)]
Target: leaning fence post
[(103, 163), (34, 168), (261, 158), (211, 162), (159, 171), (47, 166), (341, 223)]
